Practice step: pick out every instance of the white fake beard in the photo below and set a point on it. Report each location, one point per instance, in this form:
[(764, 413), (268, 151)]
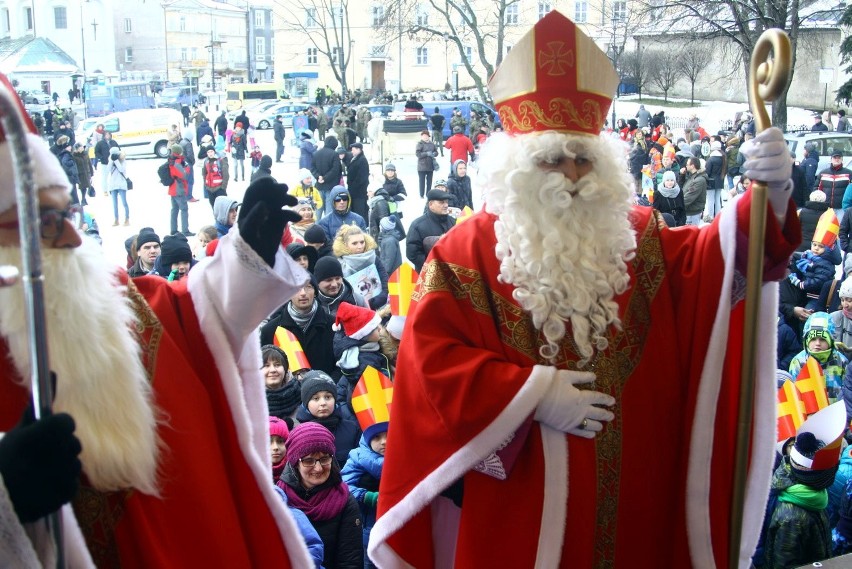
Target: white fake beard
[(563, 246), (93, 349)]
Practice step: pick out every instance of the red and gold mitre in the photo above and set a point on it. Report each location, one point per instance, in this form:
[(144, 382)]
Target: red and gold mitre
[(555, 78), (827, 229)]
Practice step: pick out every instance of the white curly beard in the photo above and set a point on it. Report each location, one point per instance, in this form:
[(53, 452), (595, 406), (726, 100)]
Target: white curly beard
[(100, 379), (563, 246)]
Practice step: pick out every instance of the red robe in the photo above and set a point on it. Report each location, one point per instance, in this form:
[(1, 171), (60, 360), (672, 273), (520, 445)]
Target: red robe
[(213, 510), (469, 378)]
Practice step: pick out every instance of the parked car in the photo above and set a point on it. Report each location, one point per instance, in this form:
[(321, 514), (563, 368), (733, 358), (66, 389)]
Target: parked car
[(257, 107), (175, 97), (34, 97), (826, 144), (287, 111), (140, 132), (446, 109)]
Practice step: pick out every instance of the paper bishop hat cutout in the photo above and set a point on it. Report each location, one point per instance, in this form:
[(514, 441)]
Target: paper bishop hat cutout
[(827, 229), (287, 341), (371, 401), (401, 288), (555, 78), (827, 426), (791, 410), (811, 385)]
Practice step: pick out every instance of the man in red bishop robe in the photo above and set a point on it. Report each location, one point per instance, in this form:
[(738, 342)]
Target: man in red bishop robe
[(569, 365), (163, 382)]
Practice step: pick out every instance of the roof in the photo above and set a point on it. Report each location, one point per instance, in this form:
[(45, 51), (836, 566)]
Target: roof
[(29, 54)]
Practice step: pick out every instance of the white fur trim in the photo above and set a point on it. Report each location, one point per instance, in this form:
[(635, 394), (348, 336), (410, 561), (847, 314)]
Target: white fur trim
[(232, 292), (47, 171), (463, 460), (369, 327), (701, 445), (553, 515)]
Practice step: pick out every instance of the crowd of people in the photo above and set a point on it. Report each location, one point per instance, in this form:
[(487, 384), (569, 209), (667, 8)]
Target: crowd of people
[(509, 275)]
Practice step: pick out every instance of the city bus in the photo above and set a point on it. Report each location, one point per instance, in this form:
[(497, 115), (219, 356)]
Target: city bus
[(243, 94), (116, 97)]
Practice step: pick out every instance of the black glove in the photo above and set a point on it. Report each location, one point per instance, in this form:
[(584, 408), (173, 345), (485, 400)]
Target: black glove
[(40, 467), (262, 221)]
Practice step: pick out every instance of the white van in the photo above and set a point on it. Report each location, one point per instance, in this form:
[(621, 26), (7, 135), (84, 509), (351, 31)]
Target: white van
[(140, 132)]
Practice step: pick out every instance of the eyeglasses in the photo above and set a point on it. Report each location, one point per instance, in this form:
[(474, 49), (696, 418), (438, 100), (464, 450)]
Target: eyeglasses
[(341, 199), (310, 462), (53, 221)]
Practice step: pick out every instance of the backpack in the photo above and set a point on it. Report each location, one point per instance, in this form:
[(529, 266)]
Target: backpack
[(213, 175), (165, 174)]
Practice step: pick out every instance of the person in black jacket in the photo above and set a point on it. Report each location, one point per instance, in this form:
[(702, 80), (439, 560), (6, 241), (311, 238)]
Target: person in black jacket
[(102, 149), (221, 124), (313, 485), (358, 178), (327, 169), (809, 216), (810, 165), (303, 316), (428, 228), (458, 186)]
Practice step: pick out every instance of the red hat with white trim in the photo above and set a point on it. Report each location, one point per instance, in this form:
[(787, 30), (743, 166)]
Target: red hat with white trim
[(47, 171), (356, 322), (555, 78)]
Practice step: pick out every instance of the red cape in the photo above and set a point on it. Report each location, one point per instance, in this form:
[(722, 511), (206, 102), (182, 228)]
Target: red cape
[(211, 512), (467, 376)]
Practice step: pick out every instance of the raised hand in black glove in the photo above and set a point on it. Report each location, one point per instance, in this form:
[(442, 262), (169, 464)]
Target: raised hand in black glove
[(262, 221), (40, 467)]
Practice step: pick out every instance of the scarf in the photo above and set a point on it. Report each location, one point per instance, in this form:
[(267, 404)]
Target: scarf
[(278, 469), (321, 503), (302, 320), (282, 401), (847, 313), (805, 497), (669, 192), (354, 262)]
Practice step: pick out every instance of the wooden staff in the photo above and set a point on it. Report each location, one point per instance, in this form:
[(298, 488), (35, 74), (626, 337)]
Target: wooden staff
[(768, 79)]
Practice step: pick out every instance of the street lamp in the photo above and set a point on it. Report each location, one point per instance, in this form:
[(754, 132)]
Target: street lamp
[(212, 47), (351, 48), (83, 44)]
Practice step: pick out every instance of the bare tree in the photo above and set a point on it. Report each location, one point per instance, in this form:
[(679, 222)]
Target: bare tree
[(323, 24), (475, 29), (663, 70), (692, 63), (636, 65), (738, 22)]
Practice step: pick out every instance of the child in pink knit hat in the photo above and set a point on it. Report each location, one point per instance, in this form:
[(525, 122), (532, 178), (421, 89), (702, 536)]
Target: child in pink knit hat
[(278, 435)]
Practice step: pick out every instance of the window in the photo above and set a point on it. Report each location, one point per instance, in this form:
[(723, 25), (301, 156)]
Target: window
[(619, 11), (312, 56), (60, 18), (128, 27), (28, 18), (259, 19), (581, 10), (128, 55), (422, 15), (311, 20), (544, 9), (378, 15), (512, 14), (336, 55), (468, 54), (183, 51), (508, 48), (337, 15), (260, 46), (182, 24), (422, 56), (7, 21)]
